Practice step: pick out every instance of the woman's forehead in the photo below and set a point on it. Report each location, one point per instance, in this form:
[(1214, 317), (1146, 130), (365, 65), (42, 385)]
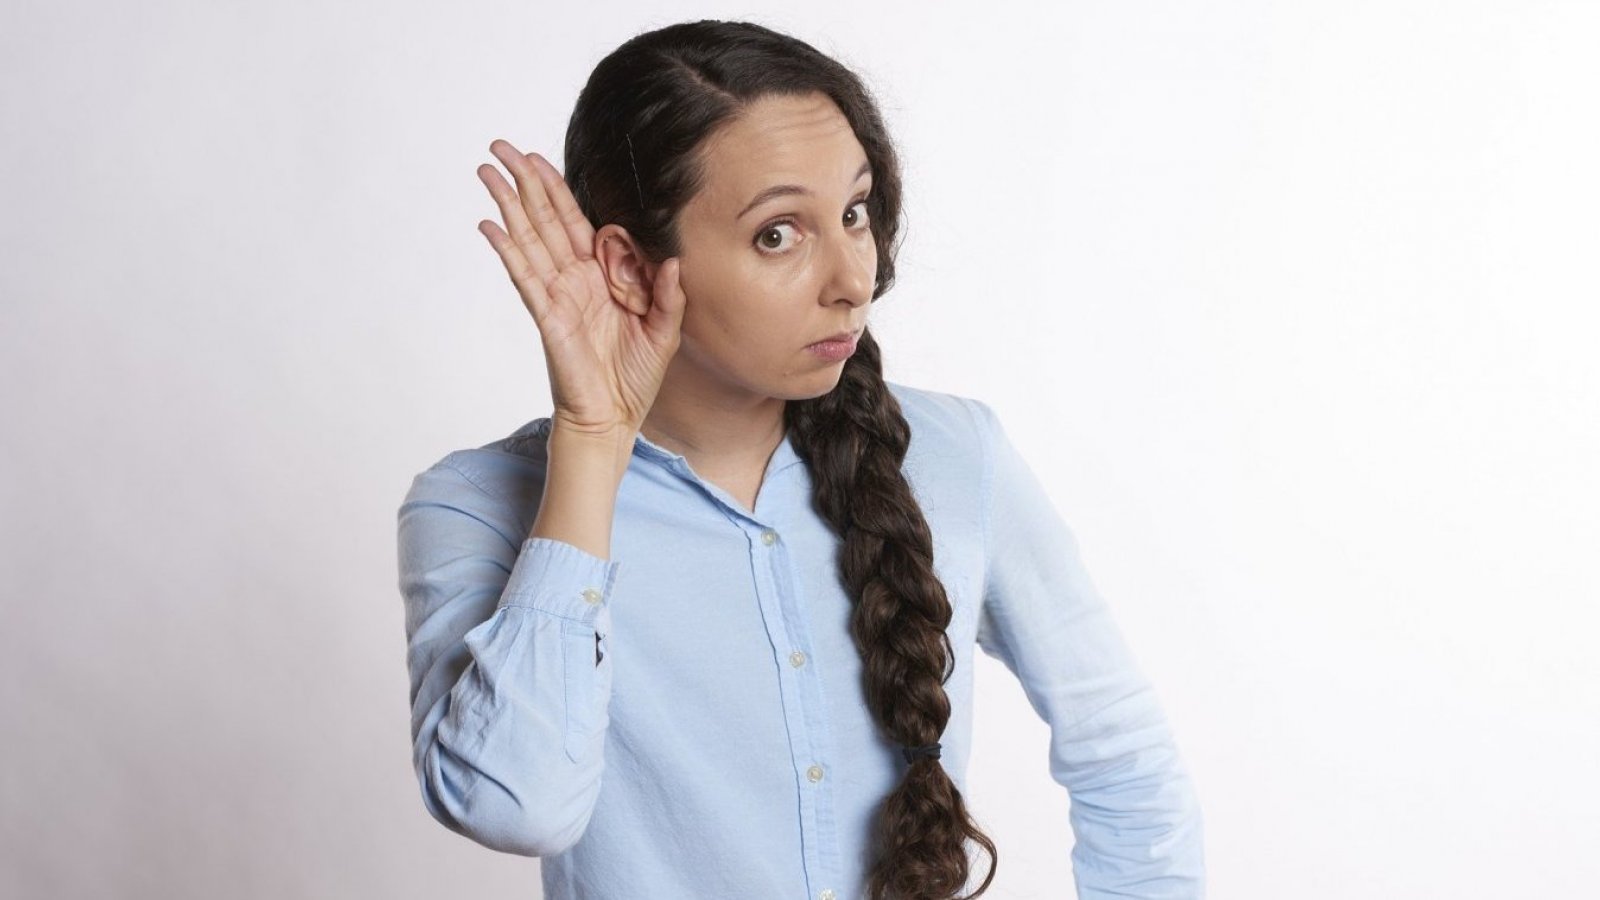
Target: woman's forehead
[(782, 141)]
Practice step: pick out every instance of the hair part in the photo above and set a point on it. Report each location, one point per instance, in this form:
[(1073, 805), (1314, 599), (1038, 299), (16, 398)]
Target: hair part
[(634, 156)]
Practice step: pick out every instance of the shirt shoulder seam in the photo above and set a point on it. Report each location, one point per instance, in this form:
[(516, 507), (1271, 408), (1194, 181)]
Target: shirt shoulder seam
[(448, 464)]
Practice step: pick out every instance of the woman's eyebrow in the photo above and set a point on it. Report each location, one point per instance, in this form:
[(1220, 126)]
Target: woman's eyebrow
[(784, 190)]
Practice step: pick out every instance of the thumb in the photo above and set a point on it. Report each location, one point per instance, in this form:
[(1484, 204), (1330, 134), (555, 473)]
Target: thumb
[(666, 309)]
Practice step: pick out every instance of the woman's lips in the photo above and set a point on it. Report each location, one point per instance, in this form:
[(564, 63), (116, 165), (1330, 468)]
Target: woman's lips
[(835, 350)]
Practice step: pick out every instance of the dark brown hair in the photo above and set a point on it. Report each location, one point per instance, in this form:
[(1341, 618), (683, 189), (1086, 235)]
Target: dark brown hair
[(630, 159)]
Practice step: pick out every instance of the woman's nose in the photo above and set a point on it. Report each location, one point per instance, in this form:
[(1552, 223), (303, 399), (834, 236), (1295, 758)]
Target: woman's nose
[(854, 268)]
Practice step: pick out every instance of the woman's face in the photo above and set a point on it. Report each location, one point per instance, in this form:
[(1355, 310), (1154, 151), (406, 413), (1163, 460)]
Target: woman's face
[(764, 279)]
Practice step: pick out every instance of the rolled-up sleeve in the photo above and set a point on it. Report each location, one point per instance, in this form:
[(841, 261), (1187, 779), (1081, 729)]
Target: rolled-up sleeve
[(1135, 814), (509, 672)]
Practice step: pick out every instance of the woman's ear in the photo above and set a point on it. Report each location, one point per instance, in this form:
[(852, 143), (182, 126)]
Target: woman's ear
[(629, 275)]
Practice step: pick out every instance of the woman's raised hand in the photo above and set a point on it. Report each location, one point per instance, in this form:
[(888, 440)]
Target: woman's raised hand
[(605, 362)]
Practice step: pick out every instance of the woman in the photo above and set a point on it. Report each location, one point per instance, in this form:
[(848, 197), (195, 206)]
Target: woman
[(707, 629)]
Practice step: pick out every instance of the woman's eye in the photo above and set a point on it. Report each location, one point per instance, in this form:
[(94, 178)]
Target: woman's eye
[(771, 238), (858, 217)]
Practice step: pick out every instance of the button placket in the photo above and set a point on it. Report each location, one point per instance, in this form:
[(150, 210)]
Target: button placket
[(804, 708)]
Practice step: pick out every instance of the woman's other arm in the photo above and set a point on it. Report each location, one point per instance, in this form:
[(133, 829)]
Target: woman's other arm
[(1135, 814)]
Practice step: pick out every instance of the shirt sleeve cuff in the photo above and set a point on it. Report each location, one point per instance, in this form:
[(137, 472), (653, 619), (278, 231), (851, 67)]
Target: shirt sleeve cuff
[(559, 578)]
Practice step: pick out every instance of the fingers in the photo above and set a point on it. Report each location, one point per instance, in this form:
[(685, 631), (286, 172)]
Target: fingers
[(529, 285), (537, 258), (579, 231), (535, 197)]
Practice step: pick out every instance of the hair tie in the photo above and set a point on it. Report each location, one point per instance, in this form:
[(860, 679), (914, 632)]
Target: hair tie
[(911, 753)]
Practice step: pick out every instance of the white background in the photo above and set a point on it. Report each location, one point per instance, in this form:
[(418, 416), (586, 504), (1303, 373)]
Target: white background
[(1292, 302)]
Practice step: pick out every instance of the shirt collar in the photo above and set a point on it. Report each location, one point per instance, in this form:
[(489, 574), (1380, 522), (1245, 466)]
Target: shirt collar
[(782, 458)]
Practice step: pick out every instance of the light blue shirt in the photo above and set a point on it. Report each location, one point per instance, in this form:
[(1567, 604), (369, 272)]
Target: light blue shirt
[(686, 719)]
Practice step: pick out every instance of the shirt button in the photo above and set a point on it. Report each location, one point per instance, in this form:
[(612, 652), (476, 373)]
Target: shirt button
[(797, 659), (591, 595), (768, 537), (827, 894), (814, 773)]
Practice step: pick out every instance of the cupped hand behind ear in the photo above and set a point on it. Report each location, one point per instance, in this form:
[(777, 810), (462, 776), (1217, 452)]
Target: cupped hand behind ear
[(606, 363)]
